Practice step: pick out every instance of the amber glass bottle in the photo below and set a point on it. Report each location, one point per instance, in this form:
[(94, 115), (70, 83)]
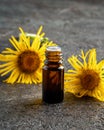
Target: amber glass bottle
[(53, 76)]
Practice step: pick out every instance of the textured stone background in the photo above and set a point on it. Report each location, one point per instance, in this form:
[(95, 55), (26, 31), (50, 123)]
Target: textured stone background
[(74, 25)]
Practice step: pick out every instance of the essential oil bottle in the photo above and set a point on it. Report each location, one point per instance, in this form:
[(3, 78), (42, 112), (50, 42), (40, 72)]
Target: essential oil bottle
[(53, 76)]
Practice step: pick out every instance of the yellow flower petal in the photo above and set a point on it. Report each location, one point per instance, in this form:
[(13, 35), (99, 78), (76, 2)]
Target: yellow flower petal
[(86, 79), (24, 62)]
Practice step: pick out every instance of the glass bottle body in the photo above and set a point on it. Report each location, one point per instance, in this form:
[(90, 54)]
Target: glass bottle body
[(53, 78)]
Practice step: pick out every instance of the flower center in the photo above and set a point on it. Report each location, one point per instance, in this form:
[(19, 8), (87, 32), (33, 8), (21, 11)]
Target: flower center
[(90, 79), (28, 61)]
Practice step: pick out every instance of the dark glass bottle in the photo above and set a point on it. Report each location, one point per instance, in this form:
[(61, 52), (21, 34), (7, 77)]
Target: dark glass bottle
[(53, 76)]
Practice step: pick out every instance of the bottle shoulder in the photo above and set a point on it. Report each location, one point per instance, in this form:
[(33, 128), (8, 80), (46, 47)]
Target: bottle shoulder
[(45, 67)]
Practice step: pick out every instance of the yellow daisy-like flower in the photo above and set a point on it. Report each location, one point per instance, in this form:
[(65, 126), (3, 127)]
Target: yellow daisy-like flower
[(24, 63), (87, 77)]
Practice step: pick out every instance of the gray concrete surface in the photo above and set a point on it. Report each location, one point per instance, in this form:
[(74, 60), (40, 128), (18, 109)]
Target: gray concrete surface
[(74, 25)]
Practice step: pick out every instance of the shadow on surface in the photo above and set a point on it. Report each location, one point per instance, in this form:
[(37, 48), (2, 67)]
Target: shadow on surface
[(70, 97)]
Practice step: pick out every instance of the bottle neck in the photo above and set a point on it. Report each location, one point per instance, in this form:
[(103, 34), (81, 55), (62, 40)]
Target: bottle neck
[(53, 58)]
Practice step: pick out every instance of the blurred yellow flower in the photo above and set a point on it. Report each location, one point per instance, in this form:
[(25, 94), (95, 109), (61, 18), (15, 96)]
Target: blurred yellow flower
[(87, 77), (24, 62)]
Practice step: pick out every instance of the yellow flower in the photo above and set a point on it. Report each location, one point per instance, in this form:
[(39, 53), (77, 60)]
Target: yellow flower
[(24, 62), (87, 77)]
